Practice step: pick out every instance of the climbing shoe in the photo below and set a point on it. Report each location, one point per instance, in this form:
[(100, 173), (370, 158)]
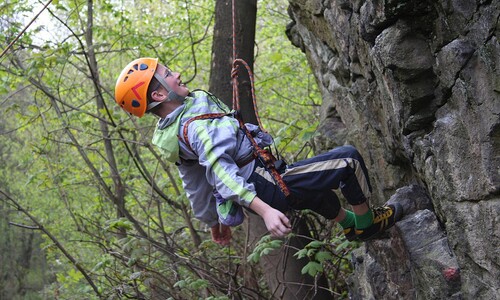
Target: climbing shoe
[(383, 218), (350, 234)]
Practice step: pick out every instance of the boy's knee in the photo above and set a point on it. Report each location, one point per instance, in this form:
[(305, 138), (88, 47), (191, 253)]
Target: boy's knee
[(350, 148), (349, 151)]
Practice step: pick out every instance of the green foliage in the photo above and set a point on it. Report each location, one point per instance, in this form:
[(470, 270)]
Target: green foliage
[(328, 255), (317, 256), (265, 246), (121, 224), (192, 284), (288, 98)]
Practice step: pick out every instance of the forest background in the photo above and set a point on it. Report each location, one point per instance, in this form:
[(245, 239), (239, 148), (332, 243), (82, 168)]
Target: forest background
[(88, 208)]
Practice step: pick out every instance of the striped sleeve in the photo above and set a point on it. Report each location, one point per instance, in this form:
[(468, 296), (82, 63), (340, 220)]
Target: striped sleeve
[(215, 143)]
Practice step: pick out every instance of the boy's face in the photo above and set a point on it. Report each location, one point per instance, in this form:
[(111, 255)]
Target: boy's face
[(173, 79)]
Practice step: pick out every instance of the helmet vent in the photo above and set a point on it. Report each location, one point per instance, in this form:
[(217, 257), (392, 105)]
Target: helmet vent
[(143, 67), (136, 103)]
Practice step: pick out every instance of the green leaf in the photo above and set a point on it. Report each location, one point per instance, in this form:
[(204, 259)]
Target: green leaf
[(342, 246), (276, 57), (315, 244), (311, 252), (98, 266), (312, 268), (180, 284), (321, 256), (301, 253), (75, 275), (253, 257), (135, 275)]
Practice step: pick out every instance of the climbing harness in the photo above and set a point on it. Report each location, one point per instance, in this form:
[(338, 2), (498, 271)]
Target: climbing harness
[(267, 159)]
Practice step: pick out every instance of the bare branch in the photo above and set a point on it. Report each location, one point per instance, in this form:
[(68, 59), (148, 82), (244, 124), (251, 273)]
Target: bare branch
[(25, 226)]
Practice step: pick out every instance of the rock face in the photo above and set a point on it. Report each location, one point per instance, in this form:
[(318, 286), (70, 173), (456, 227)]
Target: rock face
[(415, 86)]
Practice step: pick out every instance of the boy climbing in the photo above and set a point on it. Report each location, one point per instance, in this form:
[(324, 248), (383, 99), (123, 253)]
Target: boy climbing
[(221, 169)]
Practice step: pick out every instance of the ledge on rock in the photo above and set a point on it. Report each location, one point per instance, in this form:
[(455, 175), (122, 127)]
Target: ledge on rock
[(412, 260)]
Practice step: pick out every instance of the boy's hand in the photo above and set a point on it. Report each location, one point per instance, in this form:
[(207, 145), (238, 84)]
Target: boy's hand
[(221, 234), (276, 222)]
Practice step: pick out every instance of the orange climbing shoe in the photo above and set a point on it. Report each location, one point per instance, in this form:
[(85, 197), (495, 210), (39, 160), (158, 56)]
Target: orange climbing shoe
[(384, 217)]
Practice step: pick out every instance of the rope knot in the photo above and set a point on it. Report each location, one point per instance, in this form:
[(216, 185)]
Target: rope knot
[(234, 71)]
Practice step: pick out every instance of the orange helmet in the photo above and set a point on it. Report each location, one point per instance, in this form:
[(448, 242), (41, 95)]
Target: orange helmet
[(132, 85)]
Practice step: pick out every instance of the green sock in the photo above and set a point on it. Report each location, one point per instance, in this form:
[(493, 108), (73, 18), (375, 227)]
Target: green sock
[(364, 221), (348, 220)]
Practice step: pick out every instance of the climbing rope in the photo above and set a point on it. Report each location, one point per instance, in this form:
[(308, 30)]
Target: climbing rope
[(265, 156), (234, 74)]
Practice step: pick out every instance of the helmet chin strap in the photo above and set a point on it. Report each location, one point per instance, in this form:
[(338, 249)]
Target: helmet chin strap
[(172, 96)]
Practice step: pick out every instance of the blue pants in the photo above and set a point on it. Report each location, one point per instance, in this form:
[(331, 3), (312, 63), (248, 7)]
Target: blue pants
[(311, 182)]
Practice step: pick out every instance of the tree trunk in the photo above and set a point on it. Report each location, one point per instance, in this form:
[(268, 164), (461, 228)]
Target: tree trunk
[(110, 156), (282, 270), (222, 52)]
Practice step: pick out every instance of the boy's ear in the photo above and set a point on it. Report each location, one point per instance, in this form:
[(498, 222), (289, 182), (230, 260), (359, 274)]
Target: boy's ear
[(157, 95)]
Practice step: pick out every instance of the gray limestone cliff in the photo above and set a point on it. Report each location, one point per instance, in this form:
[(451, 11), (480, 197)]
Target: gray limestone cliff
[(415, 86)]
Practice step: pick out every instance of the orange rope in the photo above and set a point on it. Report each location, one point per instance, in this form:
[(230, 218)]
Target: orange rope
[(234, 76), (263, 155), (236, 98)]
